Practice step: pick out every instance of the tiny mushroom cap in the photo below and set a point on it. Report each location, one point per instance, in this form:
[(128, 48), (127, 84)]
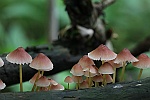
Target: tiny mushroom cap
[(57, 87), (68, 79), (77, 70), (115, 65), (143, 63), (89, 74), (19, 56), (42, 63), (52, 81), (84, 84), (2, 85), (77, 79), (90, 68), (98, 78), (85, 61), (32, 80), (1, 62), (106, 68), (102, 53), (125, 56), (42, 82), (109, 78)]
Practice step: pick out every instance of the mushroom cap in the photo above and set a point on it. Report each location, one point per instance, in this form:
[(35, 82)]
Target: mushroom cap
[(84, 84), (52, 81), (57, 87), (42, 82), (102, 53), (91, 69), (89, 74), (42, 63), (125, 56), (77, 79), (19, 56), (115, 65), (98, 78), (143, 63), (109, 78), (2, 85), (77, 70), (85, 61), (1, 62), (68, 79), (106, 68), (32, 80)]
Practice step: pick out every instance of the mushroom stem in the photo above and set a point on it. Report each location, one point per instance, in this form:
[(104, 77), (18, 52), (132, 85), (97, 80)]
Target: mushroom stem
[(42, 73), (89, 79), (49, 87), (122, 73), (36, 80), (139, 76), (68, 86), (104, 80), (114, 75), (20, 71), (37, 88), (96, 84)]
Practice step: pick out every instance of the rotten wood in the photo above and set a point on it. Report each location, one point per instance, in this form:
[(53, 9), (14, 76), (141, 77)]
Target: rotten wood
[(135, 90)]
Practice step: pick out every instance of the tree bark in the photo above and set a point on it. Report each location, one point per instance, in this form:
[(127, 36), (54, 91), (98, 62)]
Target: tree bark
[(135, 90)]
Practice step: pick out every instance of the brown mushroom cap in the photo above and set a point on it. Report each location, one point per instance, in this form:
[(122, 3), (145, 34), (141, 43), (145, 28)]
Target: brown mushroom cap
[(102, 53), (115, 65), (98, 78), (57, 87), (85, 61), (143, 63), (2, 85), (125, 56), (42, 63), (32, 80), (52, 81), (109, 78), (19, 56), (68, 79), (77, 70), (77, 79), (84, 84), (106, 68), (42, 82)]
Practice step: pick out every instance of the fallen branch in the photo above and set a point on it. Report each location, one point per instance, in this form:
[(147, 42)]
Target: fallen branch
[(135, 90)]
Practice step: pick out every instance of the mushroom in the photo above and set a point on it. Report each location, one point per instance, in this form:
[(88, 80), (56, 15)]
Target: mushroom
[(57, 87), (77, 80), (143, 63), (32, 80), (19, 56), (41, 63), (68, 80), (85, 61), (115, 65), (102, 53), (97, 79), (2, 85), (105, 69), (122, 58)]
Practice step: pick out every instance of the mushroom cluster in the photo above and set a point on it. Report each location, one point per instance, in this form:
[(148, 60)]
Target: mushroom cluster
[(85, 73), (41, 63)]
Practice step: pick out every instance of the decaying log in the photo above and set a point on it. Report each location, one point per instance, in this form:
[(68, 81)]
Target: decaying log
[(60, 57), (135, 90)]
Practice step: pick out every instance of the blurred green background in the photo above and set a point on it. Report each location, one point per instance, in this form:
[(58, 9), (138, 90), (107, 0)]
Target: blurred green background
[(27, 23)]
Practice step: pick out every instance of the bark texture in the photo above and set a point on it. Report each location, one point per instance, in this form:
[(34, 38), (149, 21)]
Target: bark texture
[(135, 90)]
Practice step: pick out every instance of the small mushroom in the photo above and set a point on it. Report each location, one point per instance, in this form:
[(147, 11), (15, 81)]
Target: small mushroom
[(19, 56), (68, 80), (2, 85), (143, 63), (122, 58)]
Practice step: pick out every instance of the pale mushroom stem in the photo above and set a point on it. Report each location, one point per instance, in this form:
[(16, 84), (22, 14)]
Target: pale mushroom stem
[(114, 75), (68, 86), (20, 71), (49, 87), (122, 73), (34, 86), (89, 79), (96, 84), (104, 80), (139, 76), (42, 73), (78, 83)]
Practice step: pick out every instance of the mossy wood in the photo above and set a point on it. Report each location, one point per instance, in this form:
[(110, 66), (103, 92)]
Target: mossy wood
[(135, 90)]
